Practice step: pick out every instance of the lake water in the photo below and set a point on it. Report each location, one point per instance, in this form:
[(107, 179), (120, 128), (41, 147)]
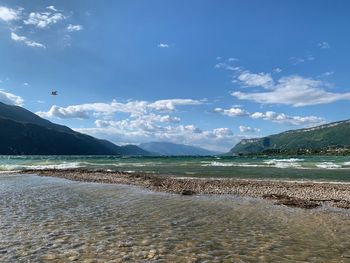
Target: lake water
[(323, 168), (45, 219)]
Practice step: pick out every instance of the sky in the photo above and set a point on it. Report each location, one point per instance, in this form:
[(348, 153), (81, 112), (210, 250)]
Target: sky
[(199, 72)]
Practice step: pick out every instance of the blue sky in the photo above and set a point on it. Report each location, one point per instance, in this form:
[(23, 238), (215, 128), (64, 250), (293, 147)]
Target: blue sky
[(205, 73)]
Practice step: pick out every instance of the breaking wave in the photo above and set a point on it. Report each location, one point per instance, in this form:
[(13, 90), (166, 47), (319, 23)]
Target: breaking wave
[(285, 163), (169, 165), (18, 167), (328, 165), (226, 164)]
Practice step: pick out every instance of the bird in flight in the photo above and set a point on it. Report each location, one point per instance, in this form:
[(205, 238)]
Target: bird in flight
[(54, 93)]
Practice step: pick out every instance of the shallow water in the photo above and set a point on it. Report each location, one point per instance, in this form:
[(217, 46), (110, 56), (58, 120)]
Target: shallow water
[(55, 220), (322, 168)]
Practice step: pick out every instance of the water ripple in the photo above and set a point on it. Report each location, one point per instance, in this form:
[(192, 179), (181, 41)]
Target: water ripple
[(55, 220)]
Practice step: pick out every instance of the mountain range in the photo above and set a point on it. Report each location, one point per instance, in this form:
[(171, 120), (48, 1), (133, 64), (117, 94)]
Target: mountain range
[(23, 132), (173, 149), (329, 138)]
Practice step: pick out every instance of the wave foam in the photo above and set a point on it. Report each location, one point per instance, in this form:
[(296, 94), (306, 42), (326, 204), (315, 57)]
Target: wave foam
[(229, 164), (328, 165), (284, 163), (18, 167)]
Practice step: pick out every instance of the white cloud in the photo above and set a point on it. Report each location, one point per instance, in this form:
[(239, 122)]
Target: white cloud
[(254, 80), (277, 70), (298, 60), (38, 19), (326, 74), (232, 59), (232, 112), (72, 28), (104, 123), (9, 14), (248, 129), (171, 104), (52, 8), (272, 116), (9, 98), (26, 41), (222, 132), (168, 118), (219, 139), (226, 66), (146, 121), (64, 113), (139, 125), (83, 110), (135, 108), (43, 19), (18, 38), (294, 90), (163, 45), (324, 45), (257, 115), (284, 118)]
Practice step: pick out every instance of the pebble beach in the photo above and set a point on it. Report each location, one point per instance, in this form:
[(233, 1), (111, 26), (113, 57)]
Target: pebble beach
[(302, 194)]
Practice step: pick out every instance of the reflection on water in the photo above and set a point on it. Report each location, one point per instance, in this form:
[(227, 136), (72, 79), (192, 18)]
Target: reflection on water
[(55, 220)]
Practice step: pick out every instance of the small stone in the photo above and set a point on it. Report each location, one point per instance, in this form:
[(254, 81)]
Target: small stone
[(73, 258), (188, 192), (126, 258), (49, 257), (24, 253), (126, 244), (146, 242), (152, 253)]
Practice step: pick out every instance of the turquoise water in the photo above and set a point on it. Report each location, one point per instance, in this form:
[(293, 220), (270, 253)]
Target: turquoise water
[(323, 168)]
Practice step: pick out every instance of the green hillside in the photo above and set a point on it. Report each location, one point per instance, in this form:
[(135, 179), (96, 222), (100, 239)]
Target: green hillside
[(23, 132), (19, 114), (329, 138)]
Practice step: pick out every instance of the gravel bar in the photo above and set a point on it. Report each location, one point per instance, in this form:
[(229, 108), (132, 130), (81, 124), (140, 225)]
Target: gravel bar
[(302, 194)]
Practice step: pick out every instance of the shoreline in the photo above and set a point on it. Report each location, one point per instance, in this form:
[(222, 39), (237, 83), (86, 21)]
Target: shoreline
[(289, 193)]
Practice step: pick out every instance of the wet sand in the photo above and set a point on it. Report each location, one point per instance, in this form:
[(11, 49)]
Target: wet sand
[(294, 194)]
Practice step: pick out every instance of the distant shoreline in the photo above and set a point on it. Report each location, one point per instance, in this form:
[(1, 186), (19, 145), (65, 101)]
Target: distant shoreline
[(294, 194)]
